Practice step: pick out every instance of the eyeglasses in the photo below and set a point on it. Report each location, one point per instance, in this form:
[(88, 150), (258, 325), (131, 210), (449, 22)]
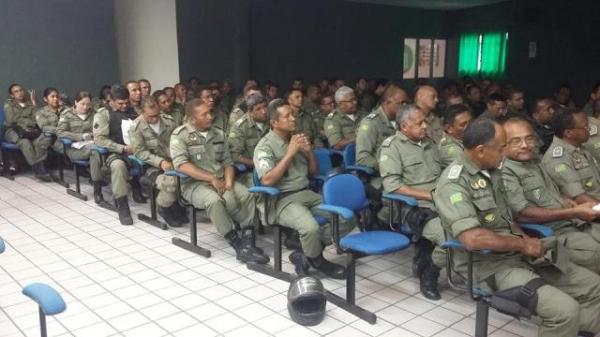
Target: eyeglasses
[(516, 142), (587, 127), (349, 101)]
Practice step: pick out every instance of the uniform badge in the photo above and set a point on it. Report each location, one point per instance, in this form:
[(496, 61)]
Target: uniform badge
[(481, 183), (537, 193), (383, 157), (456, 198), (198, 156), (193, 138), (589, 183), (577, 162), (557, 152), (474, 185), (454, 171), (593, 130), (490, 217)]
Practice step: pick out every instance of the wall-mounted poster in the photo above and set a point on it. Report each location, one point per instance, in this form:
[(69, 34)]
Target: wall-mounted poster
[(439, 58), (424, 65), (410, 58)]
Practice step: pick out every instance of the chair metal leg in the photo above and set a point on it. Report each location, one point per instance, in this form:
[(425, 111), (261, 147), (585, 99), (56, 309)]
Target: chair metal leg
[(43, 331), (153, 219), (77, 193), (481, 319), (61, 172), (192, 245), (275, 271), (6, 170)]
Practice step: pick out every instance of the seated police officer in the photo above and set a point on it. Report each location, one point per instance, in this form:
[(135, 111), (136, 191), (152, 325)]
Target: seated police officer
[(198, 149), (340, 125), (285, 161), (455, 120), (109, 126), (150, 135), (409, 165), (472, 202), (535, 198)]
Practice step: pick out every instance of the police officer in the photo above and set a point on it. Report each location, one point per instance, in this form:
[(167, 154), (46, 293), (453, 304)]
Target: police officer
[(108, 133), (21, 128), (304, 123), (241, 109), (426, 98), (326, 106), (535, 198), (76, 124), (340, 125), (168, 107), (199, 150), (245, 134), (541, 117), (593, 143), (220, 118), (409, 165), (495, 107), (574, 170), (135, 95), (150, 135), (47, 120), (472, 202), (285, 160), (455, 120)]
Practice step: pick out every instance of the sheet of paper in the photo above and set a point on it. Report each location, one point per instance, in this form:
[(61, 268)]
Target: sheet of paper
[(125, 126), (81, 144)]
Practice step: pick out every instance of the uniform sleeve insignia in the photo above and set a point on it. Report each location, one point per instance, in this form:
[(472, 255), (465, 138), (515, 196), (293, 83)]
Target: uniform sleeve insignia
[(330, 115), (557, 152), (560, 168), (593, 130), (454, 171), (364, 127), (456, 198), (383, 157)]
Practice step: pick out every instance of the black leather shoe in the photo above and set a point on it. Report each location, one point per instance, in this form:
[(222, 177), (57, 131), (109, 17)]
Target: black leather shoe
[(169, 217), (98, 197), (123, 210), (326, 267), (244, 253), (181, 213), (249, 238), (300, 263), (292, 241), (429, 282), (40, 172)]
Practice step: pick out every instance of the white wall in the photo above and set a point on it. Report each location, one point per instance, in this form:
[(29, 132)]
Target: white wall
[(146, 34)]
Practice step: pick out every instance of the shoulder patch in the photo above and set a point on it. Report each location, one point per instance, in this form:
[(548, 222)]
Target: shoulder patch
[(593, 130), (560, 168), (557, 152), (371, 115), (388, 141), (330, 115), (454, 171), (169, 117)]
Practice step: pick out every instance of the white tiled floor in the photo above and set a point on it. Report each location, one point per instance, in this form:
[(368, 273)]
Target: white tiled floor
[(131, 281)]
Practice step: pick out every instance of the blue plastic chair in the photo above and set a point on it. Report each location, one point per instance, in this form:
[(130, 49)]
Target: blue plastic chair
[(344, 196), (2, 246), (49, 301), (398, 199), (482, 298), (192, 245), (349, 157)]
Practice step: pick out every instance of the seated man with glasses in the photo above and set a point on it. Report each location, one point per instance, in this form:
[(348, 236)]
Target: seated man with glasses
[(535, 198), (340, 125), (326, 106)]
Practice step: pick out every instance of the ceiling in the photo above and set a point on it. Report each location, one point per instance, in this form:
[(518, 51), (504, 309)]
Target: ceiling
[(432, 4)]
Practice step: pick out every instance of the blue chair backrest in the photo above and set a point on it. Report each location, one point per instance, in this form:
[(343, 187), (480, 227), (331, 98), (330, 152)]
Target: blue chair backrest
[(350, 154), (323, 157), (345, 190)]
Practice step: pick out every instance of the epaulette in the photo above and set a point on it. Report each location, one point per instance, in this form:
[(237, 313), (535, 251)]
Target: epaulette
[(454, 171), (557, 152), (330, 115), (178, 129), (388, 141), (371, 116), (239, 122)]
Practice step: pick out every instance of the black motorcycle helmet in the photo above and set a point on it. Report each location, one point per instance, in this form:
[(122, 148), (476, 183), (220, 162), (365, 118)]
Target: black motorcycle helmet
[(306, 301)]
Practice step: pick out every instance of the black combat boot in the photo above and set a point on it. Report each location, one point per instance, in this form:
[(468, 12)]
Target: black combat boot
[(39, 169), (292, 240), (249, 239), (181, 213), (169, 215), (429, 280), (244, 253), (136, 191), (300, 263), (423, 248), (98, 197), (326, 267), (123, 210)]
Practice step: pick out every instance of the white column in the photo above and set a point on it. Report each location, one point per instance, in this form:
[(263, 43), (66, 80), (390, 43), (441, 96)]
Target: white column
[(146, 34)]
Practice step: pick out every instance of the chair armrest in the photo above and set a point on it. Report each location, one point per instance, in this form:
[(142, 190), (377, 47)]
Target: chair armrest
[(49, 133), (46, 297), (174, 173), (341, 211), (66, 141), (240, 168), (364, 169), (537, 230), (456, 244), (272, 191), (99, 149), (410, 201), (136, 160)]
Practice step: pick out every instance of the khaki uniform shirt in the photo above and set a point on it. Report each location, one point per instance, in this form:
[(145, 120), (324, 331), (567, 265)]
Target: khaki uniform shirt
[(149, 146), (47, 119), (72, 127), (373, 130), (339, 126), (403, 162), (593, 143), (449, 148), (17, 115), (573, 169), (243, 137)]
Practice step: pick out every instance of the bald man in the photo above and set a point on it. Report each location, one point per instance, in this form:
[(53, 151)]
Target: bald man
[(426, 98)]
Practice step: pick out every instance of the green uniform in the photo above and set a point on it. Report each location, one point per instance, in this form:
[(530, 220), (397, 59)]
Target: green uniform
[(47, 121), (310, 107), (153, 147), (107, 133), (220, 118), (78, 129), (243, 137), (339, 126), (305, 125), (528, 186), (573, 169), (177, 113), (435, 128), (593, 143), (403, 162), (319, 126), (236, 114), (373, 130), (366, 101), (468, 197), (449, 148), (588, 108), (17, 119), (296, 206), (208, 152)]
